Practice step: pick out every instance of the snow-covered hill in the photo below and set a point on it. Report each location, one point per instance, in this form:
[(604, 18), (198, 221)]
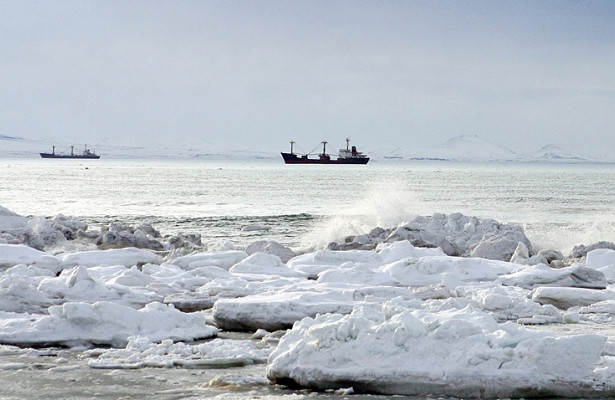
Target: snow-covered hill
[(472, 148), (553, 153)]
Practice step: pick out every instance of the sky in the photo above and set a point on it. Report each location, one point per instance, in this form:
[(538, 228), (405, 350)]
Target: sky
[(257, 74)]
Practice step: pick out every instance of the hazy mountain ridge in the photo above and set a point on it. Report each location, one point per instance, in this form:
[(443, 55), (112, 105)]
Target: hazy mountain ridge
[(462, 148), (472, 148)]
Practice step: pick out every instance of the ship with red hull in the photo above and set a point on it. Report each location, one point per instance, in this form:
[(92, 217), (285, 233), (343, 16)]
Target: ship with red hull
[(349, 155)]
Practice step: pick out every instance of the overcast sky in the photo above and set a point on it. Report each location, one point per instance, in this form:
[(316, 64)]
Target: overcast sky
[(521, 74)]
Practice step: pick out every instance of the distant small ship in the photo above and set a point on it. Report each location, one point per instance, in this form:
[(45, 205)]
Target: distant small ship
[(349, 155), (87, 154)]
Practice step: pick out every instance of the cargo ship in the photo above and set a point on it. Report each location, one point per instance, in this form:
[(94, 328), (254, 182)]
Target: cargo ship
[(87, 154), (349, 155)]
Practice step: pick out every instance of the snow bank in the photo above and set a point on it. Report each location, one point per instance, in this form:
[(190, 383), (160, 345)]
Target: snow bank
[(311, 264), (126, 256), (10, 222), (263, 264), (13, 254), (542, 275), (103, 322), (399, 348), (428, 270), (397, 318), (141, 352), (278, 311), (271, 247), (223, 259), (565, 297)]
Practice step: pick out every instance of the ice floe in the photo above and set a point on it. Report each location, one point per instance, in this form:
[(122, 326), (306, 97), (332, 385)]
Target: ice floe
[(399, 348), (441, 305)]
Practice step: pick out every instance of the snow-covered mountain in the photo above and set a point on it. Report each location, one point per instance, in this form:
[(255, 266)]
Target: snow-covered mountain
[(472, 148), (553, 153)]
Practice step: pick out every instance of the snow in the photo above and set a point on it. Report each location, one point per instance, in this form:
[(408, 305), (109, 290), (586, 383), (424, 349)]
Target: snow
[(398, 347), (398, 318), (103, 322), (279, 310), (141, 352), (13, 254), (127, 256), (223, 259)]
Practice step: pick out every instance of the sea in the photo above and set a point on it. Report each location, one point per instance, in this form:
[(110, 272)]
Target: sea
[(303, 207), (307, 206)]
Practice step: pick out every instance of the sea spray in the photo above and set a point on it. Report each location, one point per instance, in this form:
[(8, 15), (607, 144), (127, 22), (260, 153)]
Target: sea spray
[(564, 236), (386, 204)]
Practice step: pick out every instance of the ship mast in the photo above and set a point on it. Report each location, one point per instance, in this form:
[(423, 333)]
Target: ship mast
[(324, 148), (347, 143), (292, 142)]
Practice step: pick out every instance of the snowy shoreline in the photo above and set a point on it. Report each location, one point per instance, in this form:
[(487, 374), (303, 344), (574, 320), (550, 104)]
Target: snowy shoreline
[(443, 305)]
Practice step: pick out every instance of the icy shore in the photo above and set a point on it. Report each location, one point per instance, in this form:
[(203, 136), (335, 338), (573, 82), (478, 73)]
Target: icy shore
[(443, 305)]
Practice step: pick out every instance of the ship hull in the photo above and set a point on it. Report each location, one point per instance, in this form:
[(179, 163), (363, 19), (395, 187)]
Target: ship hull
[(87, 157), (295, 159)]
